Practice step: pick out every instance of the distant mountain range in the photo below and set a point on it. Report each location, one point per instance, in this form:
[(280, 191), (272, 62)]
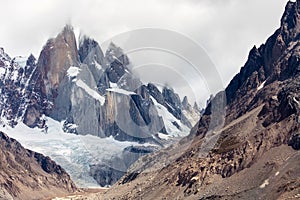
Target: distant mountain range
[(89, 92)]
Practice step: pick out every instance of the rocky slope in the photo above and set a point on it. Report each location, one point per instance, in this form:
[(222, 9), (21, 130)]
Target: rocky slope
[(256, 154), (29, 175)]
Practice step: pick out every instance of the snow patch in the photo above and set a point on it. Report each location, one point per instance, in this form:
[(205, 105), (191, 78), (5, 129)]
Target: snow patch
[(73, 71), (261, 86), (2, 71), (15, 75), (120, 91), (90, 91), (97, 65), (168, 119), (163, 136), (265, 183), (113, 85), (21, 61)]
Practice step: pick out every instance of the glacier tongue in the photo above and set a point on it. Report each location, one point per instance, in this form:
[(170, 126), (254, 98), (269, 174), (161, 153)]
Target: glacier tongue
[(75, 153)]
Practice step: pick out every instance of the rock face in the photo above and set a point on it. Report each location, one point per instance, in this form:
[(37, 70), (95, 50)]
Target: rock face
[(29, 175), (15, 75), (57, 56), (255, 156)]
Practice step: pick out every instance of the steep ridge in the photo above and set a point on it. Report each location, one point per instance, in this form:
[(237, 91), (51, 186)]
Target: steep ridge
[(29, 175), (256, 155), (15, 76)]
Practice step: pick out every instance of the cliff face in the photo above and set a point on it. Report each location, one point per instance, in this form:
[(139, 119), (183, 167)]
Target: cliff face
[(29, 175), (55, 59), (255, 156)]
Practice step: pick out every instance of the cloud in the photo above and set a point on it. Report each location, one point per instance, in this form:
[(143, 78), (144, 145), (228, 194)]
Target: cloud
[(226, 29)]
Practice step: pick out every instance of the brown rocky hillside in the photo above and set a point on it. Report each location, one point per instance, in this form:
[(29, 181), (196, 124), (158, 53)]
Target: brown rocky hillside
[(26, 174)]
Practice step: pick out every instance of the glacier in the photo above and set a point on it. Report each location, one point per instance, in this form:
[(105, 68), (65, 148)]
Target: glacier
[(75, 153)]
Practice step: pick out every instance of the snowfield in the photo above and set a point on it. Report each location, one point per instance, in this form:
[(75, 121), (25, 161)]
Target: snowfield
[(75, 153)]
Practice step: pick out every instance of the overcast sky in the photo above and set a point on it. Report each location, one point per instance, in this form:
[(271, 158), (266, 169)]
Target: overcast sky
[(226, 29)]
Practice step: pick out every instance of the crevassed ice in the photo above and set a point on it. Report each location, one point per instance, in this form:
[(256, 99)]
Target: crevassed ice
[(75, 153)]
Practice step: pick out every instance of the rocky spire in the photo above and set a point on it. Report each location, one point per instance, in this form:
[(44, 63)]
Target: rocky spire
[(89, 50), (55, 59), (290, 21), (185, 103), (57, 56)]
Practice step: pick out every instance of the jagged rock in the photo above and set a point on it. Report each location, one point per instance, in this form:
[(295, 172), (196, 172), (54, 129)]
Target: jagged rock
[(91, 54), (57, 56), (55, 59), (173, 102), (156, 94), (15, 74), (185, 103), (64, 97)]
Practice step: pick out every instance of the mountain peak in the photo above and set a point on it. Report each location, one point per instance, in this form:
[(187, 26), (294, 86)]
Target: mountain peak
[(290, 21), (57, 56), (89, 50)]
